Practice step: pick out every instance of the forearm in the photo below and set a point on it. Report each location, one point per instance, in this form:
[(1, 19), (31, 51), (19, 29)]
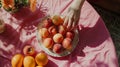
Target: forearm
[(77, 4)]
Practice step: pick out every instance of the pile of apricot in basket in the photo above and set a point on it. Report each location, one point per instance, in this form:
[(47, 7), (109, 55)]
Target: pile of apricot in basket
[(55, 36)]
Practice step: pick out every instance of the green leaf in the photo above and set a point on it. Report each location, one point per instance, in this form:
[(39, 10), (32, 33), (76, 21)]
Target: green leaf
[(16, 1), (0, 5), (26, 2)]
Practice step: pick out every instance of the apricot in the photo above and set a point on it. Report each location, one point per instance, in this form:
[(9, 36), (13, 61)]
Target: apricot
[(52, 30), (41, 59), (47, 22), (44, 32), (67, 43), (69, 48), (33, 5), (29, 50), (57, 20), (61, 29), (39, 66), (8, 4), (48, 42), (17, 60), (57, 48), (58, 38), (29, 61), (70, 35)]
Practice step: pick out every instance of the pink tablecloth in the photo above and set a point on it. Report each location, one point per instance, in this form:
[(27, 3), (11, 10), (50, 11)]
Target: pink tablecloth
[(95, 48)]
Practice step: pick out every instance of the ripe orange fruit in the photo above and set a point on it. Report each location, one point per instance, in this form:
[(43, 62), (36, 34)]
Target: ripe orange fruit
[(33, 5), (29, 61), (7, 4), (39, 66), (48, 42), (29, 50), (41, 59), (44, 32), (57, 20), (17, 60), (58, 38)]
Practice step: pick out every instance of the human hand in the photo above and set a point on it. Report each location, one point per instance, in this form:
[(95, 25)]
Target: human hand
[(71, 19), (73, 14)]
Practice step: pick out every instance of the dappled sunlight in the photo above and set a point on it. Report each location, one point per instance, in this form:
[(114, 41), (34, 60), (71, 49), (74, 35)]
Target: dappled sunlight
[(95, 47)]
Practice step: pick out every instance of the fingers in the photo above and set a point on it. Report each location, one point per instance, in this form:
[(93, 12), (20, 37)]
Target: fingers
[(65, 21), (70, 22), (73, 25)]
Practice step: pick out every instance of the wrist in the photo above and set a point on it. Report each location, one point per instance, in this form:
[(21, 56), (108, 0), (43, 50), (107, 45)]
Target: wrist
[(77, 4)]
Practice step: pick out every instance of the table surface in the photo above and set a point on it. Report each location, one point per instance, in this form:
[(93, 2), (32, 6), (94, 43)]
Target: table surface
[(95, 47)]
